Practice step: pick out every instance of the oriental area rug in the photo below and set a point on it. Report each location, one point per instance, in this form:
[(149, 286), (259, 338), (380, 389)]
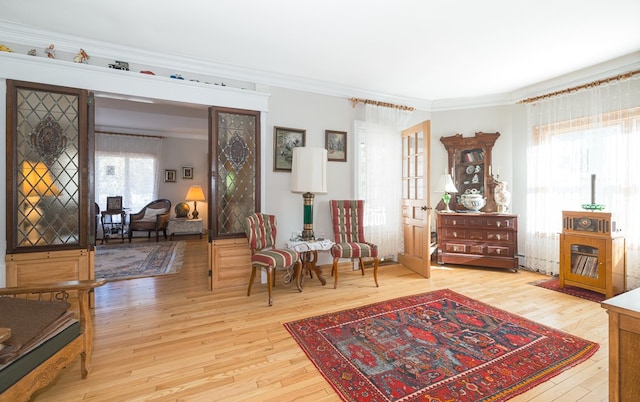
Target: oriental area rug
[(137, 260), (436, 346), (554, 284)]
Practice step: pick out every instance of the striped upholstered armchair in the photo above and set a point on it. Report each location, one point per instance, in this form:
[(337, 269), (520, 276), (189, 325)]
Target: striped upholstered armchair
[(261, 232), (348, 229)]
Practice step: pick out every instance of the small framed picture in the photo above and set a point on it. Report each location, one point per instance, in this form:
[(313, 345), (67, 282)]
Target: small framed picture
[(187, 172), (170, 176), (336, 144), (114, 203), (285, 139)]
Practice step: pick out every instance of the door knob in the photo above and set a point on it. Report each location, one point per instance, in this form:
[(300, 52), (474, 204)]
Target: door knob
[(424, 207)]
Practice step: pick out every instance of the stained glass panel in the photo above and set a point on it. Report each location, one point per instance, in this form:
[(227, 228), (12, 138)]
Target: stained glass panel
[(236, 180), (47, 168)]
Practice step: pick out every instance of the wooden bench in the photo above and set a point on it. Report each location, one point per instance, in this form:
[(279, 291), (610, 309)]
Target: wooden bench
[(62, 351)]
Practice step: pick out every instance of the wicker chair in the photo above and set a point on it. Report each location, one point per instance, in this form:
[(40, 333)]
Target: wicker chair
[(153, 217), (261, 232), (348, 229)]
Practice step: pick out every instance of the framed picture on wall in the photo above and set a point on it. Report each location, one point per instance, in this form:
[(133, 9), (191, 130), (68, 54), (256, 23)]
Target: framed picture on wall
[(336, 144), (285, 139), (187, 172), (170, 176)]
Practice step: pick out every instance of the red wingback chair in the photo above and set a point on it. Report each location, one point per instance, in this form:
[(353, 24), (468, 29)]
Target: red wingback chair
[(348, 229), (261, 232)]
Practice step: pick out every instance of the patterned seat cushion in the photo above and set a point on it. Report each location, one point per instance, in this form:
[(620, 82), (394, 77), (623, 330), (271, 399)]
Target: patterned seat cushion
[(275, 258), (354, 250)]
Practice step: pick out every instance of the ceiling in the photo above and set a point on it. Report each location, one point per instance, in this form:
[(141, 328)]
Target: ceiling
[(401, 49)]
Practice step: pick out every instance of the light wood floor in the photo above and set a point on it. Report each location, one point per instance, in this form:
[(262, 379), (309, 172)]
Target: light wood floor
[(170, 339)]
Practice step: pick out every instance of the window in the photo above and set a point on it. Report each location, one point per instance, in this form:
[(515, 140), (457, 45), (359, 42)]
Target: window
[(574, 137), (127, 166)]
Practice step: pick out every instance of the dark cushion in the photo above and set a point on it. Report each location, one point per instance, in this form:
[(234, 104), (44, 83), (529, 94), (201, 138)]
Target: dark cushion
[(26, 363), (28, 320)]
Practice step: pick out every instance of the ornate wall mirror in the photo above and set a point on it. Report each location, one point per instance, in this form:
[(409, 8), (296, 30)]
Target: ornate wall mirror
[(470, 167)]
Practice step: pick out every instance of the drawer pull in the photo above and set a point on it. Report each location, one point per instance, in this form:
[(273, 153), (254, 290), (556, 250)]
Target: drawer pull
[(498, 223), (498, 251), (498, 236), (454, 222), (455, 234), (455, 248)]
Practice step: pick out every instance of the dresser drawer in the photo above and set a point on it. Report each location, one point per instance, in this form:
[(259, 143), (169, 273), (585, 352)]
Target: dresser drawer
[(505, 222), (500, 236), (500, 251), (452, 220), (454, 233), (455, 248)]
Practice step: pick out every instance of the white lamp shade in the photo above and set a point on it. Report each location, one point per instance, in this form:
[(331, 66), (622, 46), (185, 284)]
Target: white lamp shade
[(446, 185), (309, 170)]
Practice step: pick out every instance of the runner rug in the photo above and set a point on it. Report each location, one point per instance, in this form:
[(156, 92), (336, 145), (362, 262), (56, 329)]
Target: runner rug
[(437, 346), (136, 260), (554, 284)]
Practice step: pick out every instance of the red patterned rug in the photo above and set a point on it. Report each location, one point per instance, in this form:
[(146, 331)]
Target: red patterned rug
[(554, 284), (436, 346)]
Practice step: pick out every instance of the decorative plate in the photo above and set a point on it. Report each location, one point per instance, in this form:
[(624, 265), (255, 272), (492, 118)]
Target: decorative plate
[(470, 169)]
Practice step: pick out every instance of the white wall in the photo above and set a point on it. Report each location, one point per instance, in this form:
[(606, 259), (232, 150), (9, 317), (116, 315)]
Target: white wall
[(314, 113), (177, 153)]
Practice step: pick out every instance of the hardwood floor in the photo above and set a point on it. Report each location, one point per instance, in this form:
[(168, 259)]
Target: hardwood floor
[(170, 339)]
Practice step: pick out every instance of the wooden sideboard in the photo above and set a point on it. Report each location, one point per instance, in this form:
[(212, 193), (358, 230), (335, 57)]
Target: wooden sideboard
[(478, 239), (624, 346)]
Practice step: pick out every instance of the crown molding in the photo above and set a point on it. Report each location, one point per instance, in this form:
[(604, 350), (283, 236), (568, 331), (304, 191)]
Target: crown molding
[(29, 37), (250, 78), (611, 68)]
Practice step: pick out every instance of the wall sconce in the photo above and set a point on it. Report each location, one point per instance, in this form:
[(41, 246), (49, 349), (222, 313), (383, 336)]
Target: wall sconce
[(308, 176), (195, 194)]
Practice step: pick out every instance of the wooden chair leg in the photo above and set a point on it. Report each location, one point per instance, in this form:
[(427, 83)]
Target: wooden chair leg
[(361, 266), (299, 275), (253, 275), (334, 272), (375, 270), (270, 272)]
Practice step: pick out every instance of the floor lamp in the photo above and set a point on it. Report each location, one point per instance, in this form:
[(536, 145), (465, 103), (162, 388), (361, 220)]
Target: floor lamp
[(309, 177)]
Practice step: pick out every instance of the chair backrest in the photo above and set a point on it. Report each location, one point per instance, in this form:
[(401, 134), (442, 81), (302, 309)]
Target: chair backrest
[(159, 204), (261, 231), (347, 220), (114, 203)]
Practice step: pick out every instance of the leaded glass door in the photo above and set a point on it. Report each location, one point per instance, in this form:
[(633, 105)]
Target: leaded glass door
[(47, 174), (235, 170)]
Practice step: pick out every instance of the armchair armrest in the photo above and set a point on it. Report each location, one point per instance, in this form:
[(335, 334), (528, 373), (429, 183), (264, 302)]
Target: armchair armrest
[(162, 220), (46, 372), (83, 285), (137, 216)]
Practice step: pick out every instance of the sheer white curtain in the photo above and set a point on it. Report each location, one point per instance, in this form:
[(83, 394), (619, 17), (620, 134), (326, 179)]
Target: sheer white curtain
[(593, 131), (127, 166), (379, 175)]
